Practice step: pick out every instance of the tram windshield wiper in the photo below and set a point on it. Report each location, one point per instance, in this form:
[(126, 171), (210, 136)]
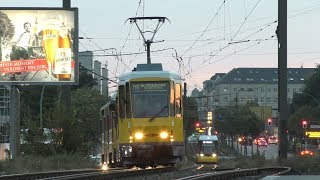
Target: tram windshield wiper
[(158, 113)]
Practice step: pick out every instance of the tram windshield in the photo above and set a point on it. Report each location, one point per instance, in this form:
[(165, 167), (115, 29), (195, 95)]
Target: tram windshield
[(150, 99), (208, 149)]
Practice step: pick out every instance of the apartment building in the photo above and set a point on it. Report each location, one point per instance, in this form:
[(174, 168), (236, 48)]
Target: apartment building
[(242, 85)]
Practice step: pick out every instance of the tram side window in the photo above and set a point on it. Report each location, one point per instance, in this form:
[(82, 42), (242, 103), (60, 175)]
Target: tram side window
[(121, 102), (178, 99), (172, 99), (128, 101)]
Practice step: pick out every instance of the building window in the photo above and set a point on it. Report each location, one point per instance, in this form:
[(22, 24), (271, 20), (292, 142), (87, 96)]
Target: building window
[(275, 89), (288, 89), (269, 89), (293, 89), (275, 100), (262, 100), (241, 89), (261, 90), (268, 99)]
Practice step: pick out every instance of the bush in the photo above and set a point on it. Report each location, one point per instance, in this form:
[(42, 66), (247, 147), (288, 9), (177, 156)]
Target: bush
[(58, 162)]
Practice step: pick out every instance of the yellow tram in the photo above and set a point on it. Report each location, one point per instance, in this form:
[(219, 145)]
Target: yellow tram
[(208, 149), (147, 128)]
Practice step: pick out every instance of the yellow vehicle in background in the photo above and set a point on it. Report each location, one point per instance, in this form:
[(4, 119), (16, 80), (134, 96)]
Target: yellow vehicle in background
[(208, 149)]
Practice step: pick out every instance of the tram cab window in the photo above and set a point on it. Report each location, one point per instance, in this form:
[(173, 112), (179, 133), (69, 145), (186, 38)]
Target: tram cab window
[(178, 99), (121, 102), (150, 99)]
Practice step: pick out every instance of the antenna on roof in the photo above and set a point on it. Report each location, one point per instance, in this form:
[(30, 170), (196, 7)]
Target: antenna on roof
[(148, 42)]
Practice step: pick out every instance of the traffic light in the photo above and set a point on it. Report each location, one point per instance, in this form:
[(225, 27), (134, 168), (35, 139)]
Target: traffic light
[(269, 122), (197, 124), (304, 124)]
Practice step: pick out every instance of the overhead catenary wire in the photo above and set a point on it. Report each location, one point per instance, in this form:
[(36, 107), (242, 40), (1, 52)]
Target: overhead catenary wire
[(215, 15)]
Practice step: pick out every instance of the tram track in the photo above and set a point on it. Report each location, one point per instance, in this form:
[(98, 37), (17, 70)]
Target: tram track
[(111, 173), (236, 173)]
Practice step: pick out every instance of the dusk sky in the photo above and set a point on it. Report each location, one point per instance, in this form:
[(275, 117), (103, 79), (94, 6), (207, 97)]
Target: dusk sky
[(210, 36)]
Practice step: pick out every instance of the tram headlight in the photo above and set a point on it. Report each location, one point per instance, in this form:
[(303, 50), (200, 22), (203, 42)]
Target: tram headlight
[(138, 135), (201, 154), (214, 155), (164, 135)]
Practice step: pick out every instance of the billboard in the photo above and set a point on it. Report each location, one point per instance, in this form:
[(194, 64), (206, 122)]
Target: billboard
[(39, 46)]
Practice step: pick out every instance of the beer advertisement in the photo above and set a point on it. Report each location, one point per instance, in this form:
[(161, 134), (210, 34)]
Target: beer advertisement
[(38, 46)]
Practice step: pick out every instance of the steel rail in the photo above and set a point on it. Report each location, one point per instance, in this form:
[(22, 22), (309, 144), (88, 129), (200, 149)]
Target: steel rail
[(40, 175), (237, 173)]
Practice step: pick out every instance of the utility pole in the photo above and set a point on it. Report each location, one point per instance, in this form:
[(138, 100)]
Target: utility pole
[(283, 78)]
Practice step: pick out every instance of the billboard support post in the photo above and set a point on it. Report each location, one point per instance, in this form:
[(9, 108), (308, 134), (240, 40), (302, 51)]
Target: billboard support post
[(66, 90), (14, 122)]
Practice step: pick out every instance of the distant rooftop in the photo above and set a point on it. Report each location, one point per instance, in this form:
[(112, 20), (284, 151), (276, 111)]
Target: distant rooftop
[(265, 76)]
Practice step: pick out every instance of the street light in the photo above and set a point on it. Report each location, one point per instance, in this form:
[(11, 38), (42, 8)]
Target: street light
[(310, 96)]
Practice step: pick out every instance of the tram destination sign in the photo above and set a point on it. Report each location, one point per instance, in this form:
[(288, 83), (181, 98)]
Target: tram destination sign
[(147, 86)]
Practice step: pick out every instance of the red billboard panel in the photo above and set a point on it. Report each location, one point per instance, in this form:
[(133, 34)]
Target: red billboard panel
[(39, 46)]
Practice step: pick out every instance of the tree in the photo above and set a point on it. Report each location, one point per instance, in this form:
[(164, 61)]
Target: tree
[(190, 114), (85, 79), (305, 105), (238, 120), (86, 103)]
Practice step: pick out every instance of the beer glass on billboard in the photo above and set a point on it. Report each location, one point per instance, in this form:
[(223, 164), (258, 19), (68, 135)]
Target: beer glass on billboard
[(50, 42)]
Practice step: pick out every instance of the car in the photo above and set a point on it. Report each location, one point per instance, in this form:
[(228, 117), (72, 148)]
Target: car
[(306, 152), (245, 140), (273, 140), (260, 141)]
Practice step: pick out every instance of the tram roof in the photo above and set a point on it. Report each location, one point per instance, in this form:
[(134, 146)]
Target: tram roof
[(208, 138), (149, 74)]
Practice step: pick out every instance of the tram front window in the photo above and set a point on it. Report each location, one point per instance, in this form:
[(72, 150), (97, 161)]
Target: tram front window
[(150, 99), (208, 150)]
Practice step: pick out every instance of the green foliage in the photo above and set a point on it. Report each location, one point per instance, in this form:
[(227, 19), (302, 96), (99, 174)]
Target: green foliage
[(66, 130), (295, 120), (238, 120), (190, 114), (86, 103), (85, 79), (35, 163), (305, 105)]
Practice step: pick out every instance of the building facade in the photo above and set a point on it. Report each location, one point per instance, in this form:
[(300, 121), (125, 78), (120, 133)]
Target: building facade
[(97, 71), (260, 85)]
